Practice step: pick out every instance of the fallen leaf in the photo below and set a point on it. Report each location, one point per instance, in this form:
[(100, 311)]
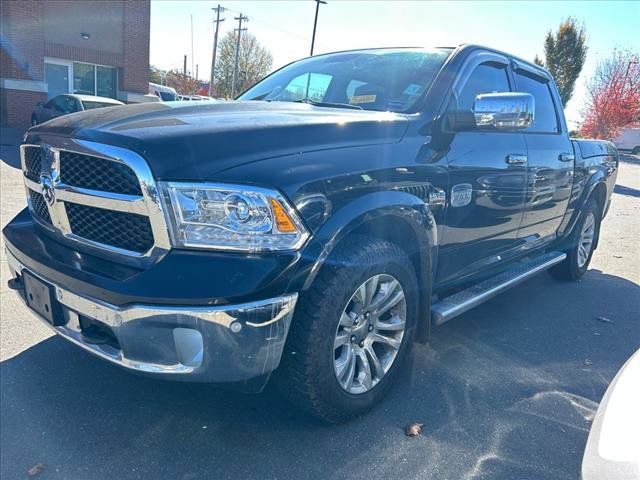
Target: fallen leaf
[(617, 256), (414, 429), (36, 469), (604, 320)]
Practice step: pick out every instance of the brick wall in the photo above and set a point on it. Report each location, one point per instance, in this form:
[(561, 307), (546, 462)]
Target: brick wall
[(22, 29), (136, 46), (17, 106)]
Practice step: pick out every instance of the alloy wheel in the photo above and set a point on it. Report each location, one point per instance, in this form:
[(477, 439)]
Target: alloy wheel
[(585, 243), (369, 334)]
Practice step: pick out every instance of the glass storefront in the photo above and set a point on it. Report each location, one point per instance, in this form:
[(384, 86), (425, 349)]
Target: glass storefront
[(89, 79)]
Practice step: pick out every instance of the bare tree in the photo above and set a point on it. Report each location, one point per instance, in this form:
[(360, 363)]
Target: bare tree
[(254, 63)]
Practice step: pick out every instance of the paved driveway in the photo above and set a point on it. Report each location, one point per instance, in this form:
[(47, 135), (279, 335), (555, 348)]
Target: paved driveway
[(506, 391)]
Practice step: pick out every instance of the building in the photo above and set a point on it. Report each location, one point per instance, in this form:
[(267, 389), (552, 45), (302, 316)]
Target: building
[(48, 47)]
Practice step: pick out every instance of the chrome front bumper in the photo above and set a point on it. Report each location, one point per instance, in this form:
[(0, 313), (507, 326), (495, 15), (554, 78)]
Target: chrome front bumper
[(229, 343)]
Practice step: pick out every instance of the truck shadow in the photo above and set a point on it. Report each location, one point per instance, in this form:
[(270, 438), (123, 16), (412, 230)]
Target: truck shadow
[(531, 364)]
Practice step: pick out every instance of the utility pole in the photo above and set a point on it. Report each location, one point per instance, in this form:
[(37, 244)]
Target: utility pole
[(217, 9), (240, 19), (315, 23), (191, 44), (184, 66), (196, 71)]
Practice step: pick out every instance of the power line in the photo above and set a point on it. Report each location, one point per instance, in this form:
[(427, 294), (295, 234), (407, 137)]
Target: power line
[(287, 32), (240, 19)]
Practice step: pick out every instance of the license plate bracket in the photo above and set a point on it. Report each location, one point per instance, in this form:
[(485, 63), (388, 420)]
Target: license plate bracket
[(41, 298)]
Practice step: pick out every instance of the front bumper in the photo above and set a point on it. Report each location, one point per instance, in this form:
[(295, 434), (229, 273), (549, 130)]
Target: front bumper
[(229, 343)]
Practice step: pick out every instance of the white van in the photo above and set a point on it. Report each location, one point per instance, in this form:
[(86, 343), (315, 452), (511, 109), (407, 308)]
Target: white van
[(629, 139), (166, 94)]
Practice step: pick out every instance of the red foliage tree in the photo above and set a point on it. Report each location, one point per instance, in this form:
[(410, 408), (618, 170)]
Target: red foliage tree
[(613, 96)]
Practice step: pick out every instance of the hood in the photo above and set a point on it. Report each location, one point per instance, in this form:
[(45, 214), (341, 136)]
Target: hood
[(193, 140)]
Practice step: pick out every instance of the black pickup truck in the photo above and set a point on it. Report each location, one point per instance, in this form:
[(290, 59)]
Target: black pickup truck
[(313, 229)]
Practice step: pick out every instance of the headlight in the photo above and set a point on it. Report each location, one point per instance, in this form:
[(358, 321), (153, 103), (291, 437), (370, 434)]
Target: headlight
[(231, 217)]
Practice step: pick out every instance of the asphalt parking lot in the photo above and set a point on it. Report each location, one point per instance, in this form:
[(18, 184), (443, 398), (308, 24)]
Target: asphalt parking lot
[(506, 391)]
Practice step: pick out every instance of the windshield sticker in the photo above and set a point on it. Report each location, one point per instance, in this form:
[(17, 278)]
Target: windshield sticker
[(362, 99), (413, 90)]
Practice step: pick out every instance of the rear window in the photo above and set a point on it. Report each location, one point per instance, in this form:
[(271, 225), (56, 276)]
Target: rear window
[(545, 118), (92, 105)]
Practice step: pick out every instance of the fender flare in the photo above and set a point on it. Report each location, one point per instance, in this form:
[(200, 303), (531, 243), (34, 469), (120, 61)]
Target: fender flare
[(392, 206), (592, 183)]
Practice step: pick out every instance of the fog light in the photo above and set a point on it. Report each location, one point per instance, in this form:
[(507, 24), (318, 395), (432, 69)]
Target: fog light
[(189, 346)]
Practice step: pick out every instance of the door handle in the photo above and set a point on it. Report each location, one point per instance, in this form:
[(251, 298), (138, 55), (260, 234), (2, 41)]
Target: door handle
[(515, 159), (566, 157)]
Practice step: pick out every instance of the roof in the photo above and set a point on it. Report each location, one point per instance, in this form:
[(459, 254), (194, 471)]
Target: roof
[(93, 98)]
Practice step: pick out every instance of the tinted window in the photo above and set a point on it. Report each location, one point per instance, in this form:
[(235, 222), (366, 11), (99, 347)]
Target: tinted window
[(64, 104), (545, 119), (486, 78)]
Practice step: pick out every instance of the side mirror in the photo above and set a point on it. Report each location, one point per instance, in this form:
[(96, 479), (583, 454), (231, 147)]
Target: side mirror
[(504, 111), (494, 111)]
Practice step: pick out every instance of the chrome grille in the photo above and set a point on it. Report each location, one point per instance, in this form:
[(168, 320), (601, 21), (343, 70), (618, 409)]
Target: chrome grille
[(97, 173), (33, 162), (121, 230), (39, 206), (101, 196)]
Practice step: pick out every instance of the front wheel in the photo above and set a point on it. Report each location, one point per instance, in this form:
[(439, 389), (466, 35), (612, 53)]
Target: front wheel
[(584, 241), (351, 331)]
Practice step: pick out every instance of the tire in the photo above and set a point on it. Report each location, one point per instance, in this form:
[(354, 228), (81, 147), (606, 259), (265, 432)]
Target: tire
[(636, 150), (577, 263), (308, 374)]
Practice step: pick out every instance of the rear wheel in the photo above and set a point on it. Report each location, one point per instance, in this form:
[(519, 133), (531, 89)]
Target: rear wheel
[(351, 331), (584, 241)]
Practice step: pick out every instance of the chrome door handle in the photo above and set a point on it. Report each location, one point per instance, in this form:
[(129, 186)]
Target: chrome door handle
[(515, 159), (566, 157)]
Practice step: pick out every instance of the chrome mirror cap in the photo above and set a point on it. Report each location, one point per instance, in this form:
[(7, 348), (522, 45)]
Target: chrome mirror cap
[(504, 111)]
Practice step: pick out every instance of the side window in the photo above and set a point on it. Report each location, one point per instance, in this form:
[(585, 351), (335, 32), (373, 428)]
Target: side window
[(51, 104), (317, 83), (545, 118), (64, 104), (486, 78)]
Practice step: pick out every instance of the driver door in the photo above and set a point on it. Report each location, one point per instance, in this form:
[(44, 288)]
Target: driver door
[(487, 175)]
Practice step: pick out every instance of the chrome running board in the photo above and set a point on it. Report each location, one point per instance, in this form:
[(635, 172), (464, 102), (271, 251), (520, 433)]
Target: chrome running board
[(458, 303)]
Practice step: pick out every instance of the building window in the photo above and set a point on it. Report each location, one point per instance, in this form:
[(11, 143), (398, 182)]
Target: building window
[(92, 79)]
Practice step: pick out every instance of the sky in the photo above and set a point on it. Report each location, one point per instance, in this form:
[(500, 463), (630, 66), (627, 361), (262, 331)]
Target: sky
[(285, 28)]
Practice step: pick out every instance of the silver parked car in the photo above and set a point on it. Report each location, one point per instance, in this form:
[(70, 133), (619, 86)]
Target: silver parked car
[(69, 103)]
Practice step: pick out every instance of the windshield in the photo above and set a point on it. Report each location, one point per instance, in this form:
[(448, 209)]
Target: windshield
[(88, 105), (383, 80)]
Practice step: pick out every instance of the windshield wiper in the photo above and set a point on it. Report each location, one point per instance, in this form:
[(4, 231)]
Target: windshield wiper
[(328, 104)]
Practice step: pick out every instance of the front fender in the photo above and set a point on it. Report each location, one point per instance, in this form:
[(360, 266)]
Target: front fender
[(390, 205), (384, 209)]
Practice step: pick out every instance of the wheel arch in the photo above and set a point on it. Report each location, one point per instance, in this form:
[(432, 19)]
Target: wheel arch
[(397, 217)]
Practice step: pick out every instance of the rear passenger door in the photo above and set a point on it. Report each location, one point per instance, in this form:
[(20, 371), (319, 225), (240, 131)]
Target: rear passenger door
[(550, 159)]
